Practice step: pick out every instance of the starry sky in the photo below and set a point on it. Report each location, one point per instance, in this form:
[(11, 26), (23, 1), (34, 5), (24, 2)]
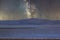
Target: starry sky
[(48, 9), (14, 9), (11, 9)]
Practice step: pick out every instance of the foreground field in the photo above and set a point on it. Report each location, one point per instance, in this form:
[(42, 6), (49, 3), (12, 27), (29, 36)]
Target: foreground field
[(29, 31)]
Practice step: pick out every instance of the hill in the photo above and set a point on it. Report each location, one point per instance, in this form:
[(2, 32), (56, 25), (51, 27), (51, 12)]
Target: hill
[(32, 21)]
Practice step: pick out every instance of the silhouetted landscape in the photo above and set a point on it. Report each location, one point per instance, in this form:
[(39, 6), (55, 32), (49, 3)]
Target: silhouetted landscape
[(32, 21)]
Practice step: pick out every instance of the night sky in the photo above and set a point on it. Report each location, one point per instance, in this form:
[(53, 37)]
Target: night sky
[(48, 9), (11, 9), (14, 9)]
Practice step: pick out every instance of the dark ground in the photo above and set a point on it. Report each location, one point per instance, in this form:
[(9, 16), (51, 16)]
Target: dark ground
[(38, 31), (31, 28)]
